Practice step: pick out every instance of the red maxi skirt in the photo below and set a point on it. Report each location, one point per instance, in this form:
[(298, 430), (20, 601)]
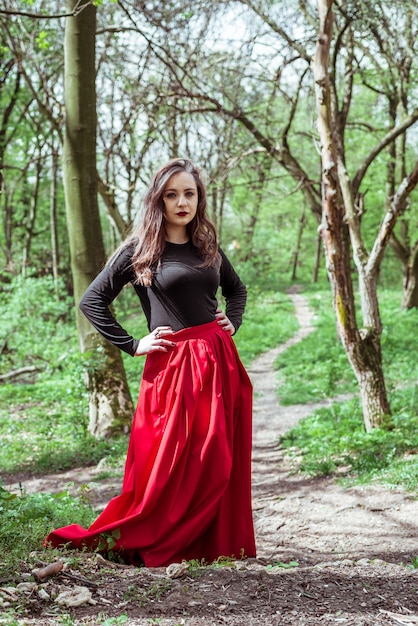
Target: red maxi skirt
[(187, 485)]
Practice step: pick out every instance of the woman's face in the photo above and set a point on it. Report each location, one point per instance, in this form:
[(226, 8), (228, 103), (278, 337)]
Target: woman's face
[(180, 199)]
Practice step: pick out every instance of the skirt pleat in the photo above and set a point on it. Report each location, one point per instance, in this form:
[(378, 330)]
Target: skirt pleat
[(187, 485)]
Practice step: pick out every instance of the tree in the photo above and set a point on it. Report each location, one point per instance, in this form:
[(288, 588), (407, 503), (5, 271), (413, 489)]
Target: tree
[(110, 404), (10, 91), (342, 236)]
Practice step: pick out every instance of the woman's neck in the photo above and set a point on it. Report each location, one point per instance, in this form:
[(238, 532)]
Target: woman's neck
[(174, 235)]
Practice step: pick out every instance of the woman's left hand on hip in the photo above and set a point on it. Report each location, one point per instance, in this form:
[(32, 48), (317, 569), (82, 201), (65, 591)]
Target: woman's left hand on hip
[(224, 322)]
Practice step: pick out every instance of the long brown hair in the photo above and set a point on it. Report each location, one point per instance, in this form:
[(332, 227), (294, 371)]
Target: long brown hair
[(149, 235)]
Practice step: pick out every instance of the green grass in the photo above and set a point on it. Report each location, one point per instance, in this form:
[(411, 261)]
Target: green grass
[(334, 441), (399, 342)]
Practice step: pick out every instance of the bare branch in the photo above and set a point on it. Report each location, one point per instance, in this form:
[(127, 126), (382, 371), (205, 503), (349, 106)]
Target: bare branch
[(401, 251), (294, 104), (390, 136), (108, 197), (292, 42), (40, 16), (30, 369), (398, 206)]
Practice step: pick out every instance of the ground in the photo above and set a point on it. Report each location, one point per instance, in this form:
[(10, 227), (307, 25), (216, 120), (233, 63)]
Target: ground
[(326, 555)]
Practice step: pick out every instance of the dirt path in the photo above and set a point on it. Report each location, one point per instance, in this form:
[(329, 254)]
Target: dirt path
[(350, 550), (318, 520)]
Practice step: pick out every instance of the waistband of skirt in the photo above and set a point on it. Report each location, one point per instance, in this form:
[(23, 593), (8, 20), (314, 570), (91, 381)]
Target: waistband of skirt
[(195, 332)]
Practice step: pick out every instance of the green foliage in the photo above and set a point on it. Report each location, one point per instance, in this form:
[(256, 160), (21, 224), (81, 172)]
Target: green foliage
[(399, 340), (264, 251), (42, 40), (115, 621), (9, 618), (318, 367), (36, 326), (98, 3), (107, 542)]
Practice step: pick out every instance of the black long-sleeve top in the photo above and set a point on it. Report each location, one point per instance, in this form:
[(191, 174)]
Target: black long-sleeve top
[(181, 294)]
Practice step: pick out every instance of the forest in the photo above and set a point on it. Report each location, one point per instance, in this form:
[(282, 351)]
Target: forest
[(303, 119)]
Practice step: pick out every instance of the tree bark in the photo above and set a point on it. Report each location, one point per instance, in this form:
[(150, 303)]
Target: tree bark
[(33, 209), (55, 254), (318, 249), (401, 244), (410, 280), (340, 229), (302, 224), (410, 265), (5, 117), (110, 405)]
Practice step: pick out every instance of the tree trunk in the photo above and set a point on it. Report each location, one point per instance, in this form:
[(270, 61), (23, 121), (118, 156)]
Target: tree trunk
[(410, 280), (365, 356), (261, 172), (317, 262), (302, 224), (53, 217), (401, 243), (340, 229), (33, 208), (7, 209), (110, 405)]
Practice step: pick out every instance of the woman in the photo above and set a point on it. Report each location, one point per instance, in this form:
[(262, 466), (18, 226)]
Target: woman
[(186, 492)]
